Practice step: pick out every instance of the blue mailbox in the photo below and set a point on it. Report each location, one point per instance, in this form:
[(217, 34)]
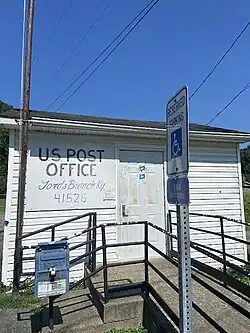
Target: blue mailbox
[(51, 269)]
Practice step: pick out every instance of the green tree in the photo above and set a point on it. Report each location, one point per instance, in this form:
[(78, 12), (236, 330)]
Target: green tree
[(4, 107), (245, 163), (4, 144)]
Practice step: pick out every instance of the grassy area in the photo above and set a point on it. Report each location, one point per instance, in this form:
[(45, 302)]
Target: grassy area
[(239, 276), (22, 301), (2, 206), (128, 330)]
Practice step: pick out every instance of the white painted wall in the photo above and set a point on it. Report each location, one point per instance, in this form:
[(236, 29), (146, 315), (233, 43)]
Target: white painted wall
[(215, 188), (214, 182)]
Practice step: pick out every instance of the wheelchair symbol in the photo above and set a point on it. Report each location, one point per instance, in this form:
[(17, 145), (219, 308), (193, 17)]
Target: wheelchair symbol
[(176, 143)]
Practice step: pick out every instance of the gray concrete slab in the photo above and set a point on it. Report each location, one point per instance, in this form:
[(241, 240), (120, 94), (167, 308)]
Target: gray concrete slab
[(211, 313), (10, 324)]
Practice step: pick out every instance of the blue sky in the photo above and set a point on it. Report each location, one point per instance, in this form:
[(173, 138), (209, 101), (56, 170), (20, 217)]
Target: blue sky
[(177, 43)]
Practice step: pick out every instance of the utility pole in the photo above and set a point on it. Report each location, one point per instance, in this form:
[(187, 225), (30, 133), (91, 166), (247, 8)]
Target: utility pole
[(24, 126)]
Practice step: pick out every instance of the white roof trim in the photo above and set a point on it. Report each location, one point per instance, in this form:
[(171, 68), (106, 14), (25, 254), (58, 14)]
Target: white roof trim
[(8, 123), (94, 128)]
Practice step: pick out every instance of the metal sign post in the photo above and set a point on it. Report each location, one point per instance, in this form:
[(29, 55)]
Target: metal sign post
[(178, 194)]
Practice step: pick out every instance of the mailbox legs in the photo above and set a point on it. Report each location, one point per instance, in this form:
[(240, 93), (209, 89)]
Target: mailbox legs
[(51, 312), (51, 301)]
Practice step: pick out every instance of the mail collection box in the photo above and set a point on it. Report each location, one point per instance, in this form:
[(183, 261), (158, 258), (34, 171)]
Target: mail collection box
[(51, 269)]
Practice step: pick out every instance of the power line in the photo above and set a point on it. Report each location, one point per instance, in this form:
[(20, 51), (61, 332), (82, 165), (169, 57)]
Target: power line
[(99, 56), (85, 35), (220, 61), (80, 41), (232, 100), (117, 45), (64, 14)]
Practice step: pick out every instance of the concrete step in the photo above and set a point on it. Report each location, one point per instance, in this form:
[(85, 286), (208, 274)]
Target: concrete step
[(123, 312), (211, 313), (118, 308), (78, 314)]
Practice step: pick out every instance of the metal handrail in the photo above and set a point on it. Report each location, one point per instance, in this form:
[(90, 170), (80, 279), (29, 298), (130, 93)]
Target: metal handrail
[(145, 286), (220, 252), (82, 232), (147, 245), (162, 230), (223, 261), (218, 234), (227, 279), (53, 226), (213, 216), (90, 244), (198, 247), (75, 260), (74, 247)]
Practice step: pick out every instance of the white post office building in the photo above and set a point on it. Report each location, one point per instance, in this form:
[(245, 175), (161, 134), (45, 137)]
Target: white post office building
[(80, 164)]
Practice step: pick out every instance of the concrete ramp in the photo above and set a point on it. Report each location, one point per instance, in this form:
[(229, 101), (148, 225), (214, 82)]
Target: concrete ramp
[(216, 308)]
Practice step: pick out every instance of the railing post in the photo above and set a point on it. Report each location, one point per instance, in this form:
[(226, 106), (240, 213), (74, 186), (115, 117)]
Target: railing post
[(105, 268), (88, 246), (51, 312), (223, 250), (170, 230), (88, 249), (146, 258), (53, 234), (17, 266), (94, 244)]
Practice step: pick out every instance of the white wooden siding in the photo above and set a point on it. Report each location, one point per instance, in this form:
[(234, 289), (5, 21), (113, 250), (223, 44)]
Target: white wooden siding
[(215, 190), (37, 220)]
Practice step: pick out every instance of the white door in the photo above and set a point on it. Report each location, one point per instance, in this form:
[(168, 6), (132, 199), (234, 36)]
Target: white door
[(141, 191)]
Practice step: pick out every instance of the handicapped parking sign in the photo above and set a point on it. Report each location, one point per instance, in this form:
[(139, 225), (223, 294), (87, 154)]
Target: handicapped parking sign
[(176, 143), (177, 134)]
